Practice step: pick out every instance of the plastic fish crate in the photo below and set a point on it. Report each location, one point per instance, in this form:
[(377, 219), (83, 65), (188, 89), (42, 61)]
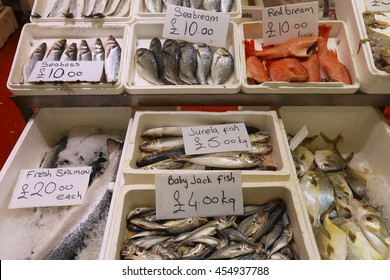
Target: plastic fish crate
[(129, 197), (143, 32), (372, 80), (338, 39), (369, 141), (265, 121), (142, 13), (44, 129), (43, 8), (33, 35)]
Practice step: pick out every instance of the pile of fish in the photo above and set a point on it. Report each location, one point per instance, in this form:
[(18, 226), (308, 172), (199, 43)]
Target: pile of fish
[(345, 224), (224, 6), (296, 60), (379, 41), (174, 63), (60, 51), (88, 8), (263, 232), (163, 148)]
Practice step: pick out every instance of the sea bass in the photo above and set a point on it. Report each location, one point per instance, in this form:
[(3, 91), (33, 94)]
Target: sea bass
[(84, 53), (112, 60), (56, 50), (70, 53), (37, 55)]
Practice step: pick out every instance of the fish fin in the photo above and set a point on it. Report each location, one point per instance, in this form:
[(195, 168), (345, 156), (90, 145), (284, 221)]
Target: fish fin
[(334, 141), (310, 139), (320, 229), (324, 31), (334, 53), (350, 157)]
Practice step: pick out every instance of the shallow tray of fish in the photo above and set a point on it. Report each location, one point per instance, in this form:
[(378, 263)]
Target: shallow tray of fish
[(142, 34), (63, 137), (77, 11), (129, 198), (343, 176), (370, 42), (255, 78), (54, 42), (147, 9), (273, 166)]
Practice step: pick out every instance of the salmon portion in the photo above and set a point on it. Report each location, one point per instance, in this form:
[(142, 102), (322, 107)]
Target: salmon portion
[(288, 70), (255, 70)]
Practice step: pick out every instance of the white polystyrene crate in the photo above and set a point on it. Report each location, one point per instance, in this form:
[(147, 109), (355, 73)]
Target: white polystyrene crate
[(364, 132), (142, 13), (265, 121), (338, 39), (42, 8), (143, 32), (45, 128), (372, 80), (252, 9), (33, 35), (130, 197)]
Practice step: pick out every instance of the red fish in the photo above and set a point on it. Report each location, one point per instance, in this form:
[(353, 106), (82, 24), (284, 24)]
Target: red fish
[(296, 47), (334, 69), (288, 70), (255, 70), (312, 65)]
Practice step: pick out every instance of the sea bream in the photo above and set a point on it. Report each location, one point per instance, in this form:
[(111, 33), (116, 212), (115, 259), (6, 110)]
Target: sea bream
[(222, 66), (147, 66)]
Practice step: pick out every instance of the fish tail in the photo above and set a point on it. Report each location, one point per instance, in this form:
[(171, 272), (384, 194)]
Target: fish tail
[(350, 157), (324, 32), (331, 141)]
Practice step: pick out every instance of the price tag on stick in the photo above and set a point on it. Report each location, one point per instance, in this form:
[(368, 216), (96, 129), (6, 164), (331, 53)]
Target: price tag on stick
[(285, 22), (196, 26), (198, 195), (50, 187)]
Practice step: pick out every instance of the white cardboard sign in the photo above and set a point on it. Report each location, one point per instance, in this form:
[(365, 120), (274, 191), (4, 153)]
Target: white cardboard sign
[(50, 187), (298, 138), (196, 26), (198, 195), (378, 5), (216, 138), (67, 71), (281, 23)]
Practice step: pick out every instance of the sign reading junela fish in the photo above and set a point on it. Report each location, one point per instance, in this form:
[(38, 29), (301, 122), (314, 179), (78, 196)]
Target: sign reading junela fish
[(196, 26), (378, 5), (50, 187), (216, 138), (199, 195), (285, 22)]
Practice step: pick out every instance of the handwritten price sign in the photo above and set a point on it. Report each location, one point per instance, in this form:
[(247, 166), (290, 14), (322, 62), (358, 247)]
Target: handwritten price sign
[(285, 22), (196, 26), (378, 5), (67, 71), (198, 195), (50, 187), (216, 138)]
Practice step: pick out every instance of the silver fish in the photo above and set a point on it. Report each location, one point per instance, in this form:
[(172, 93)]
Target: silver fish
[(162, 132), (172, 2), (232, 251), (303, 159), (253, 223), (318, 192), (111, 7), (147, 66), (162, 144), (98, 54), (157, 50), (282, 241), (65, 9), (186, 3), (168, 164), (273, 235), (236, 236), (225, 160), (212, 5), (123, 8), (84, 53), (188, 63), (196, 4), (171, 53), (57, 8), (76, 9), (112, 60), (76, 227), (100, 6), (51, 156), (140, 212), (70, 53), (260, 148), (154, 6), (165, 252), (356, 182), (148, 242), (56, 50), (377, 233), (274, 217), (158, 156), (222, 66), (226, 5), (259, 136), (204, 57), (37, 55), (330, 160), (184, 225), (89, 6)]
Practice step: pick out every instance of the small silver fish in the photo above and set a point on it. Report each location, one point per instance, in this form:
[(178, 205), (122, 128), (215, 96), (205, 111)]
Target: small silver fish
[(222, 66), (162, 132), (232, 251), (111, 7), (356, 181), (112, 60), (89, 6), (57, 8), (303, 159), (123, 8), (188, 62), (146, 65), (167, 164), (212, 5), (259, 137), (377, 233), (56, 50), (228, 160), (283, 240), (171, 53), (162, 144), (156, 48), (204, 57), (84, 53), (154, 6), (196, 3), (37, 55), (100, 6), (226, 5), (70, 53), (76, 9)]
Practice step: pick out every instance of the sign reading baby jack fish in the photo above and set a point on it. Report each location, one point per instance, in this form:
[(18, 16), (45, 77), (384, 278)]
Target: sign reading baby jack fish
[(50, 187), (216, 138), (196, 26), (378, 5), (67, 71), (285, 22), (198, 195)]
